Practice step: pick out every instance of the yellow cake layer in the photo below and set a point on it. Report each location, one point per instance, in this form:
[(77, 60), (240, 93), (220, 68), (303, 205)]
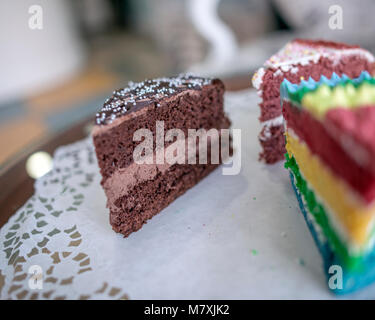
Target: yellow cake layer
[(354, 217)]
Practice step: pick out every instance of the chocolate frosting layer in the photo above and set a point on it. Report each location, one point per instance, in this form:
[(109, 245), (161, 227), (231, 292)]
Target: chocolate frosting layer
[(141, 94)]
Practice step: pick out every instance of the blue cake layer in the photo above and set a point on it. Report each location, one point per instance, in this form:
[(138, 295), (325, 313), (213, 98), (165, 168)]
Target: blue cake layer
[(351, 280)]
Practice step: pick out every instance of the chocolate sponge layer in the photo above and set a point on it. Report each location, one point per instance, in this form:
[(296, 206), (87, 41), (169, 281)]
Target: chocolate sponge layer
[(150, 197), (191, 109)]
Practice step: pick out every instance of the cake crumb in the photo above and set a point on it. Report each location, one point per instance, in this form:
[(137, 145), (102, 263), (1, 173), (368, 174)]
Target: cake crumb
[(301, 262)]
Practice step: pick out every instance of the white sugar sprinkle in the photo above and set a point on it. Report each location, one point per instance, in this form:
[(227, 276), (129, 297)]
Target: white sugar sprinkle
[(146, 90)]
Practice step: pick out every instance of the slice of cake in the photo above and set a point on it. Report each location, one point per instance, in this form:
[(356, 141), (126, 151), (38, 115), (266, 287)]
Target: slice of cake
[(330, 143), (298, 60), (165, 111)]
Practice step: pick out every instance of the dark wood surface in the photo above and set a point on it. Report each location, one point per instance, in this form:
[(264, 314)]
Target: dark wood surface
[(15, 184)]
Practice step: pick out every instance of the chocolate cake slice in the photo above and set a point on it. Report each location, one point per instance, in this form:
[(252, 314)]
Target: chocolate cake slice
[(137, 191), (300, 59)]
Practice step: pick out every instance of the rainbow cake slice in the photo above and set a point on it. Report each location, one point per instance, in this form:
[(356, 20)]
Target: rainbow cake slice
[(330, 143)]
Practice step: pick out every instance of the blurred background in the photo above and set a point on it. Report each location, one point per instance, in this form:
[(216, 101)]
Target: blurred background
[(60, 59)]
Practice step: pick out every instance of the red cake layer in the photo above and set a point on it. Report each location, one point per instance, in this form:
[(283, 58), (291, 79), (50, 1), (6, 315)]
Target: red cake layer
[(272, 141), (315, 134), (359, 126)]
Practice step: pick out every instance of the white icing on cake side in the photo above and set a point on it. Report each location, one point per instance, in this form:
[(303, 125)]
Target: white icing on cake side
[(258, 78), (267, 125), (278, 121), (296, 53)]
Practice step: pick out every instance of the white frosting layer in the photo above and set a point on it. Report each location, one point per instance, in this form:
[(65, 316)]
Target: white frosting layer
[(295, 53), (267, 125), (258, 78), (278, 121)]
